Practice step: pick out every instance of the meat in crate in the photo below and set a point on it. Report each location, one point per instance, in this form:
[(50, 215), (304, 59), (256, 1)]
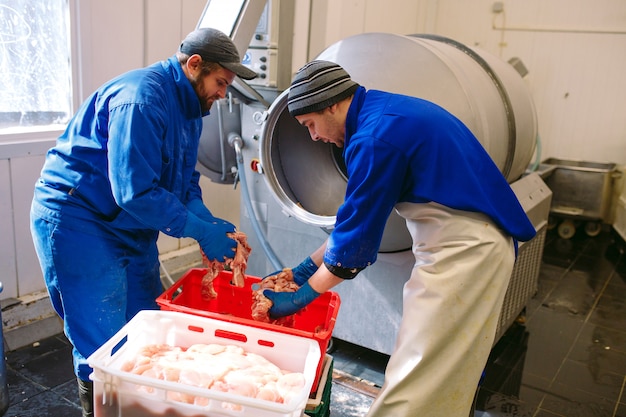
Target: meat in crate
[(167, 363), (235, 304)]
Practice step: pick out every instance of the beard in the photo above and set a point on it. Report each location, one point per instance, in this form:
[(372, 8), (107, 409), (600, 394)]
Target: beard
[(206, 100)]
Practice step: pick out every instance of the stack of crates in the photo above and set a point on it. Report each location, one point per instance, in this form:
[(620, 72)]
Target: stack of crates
[(120, 393), (234, 304), (318, 404)]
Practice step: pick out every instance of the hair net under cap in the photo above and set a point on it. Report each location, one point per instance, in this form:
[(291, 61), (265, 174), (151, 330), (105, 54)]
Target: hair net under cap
[(214, 46), (317, 85)]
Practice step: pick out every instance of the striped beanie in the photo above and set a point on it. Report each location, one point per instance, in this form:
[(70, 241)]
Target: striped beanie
[(317, 85)]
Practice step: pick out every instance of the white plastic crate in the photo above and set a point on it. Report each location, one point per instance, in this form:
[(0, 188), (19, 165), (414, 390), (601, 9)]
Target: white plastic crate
[(116, 392)]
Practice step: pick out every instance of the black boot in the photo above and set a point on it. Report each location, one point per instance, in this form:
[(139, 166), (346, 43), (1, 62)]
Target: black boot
[(85, 394)]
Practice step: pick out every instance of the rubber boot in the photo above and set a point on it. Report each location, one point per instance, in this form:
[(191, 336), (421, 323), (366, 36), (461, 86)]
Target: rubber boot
[(85, 394)]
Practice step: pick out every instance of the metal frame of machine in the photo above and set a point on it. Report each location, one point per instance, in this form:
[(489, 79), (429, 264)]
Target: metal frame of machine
[(270, 223)]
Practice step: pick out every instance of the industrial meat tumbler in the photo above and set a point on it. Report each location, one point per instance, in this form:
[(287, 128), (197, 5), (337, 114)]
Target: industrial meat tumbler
[(293, 185)]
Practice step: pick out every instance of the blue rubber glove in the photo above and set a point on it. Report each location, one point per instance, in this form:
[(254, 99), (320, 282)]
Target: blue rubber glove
[(302, 272), (197, 207), (288, 303), (211, 236)]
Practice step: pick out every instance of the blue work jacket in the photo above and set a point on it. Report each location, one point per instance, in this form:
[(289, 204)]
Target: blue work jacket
[(125, 165), (405, 149)]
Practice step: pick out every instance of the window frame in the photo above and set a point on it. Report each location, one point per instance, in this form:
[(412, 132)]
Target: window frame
[(30, 140)]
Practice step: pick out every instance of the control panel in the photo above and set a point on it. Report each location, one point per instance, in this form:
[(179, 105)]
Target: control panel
[(269, 53)]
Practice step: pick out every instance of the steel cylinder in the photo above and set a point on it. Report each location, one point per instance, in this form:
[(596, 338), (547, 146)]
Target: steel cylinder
[(308, 178)]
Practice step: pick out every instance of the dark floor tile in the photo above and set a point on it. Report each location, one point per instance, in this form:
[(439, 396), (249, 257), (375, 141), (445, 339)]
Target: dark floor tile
[(601, 348), (44, 404), (557, 259), (621, 265), (516, 335), (25, 354), (533, 389), (499, 405), (620, 410), (571, 402), (575, 294), (598, 245), (347, 403), (505, 365), (616, 250), (598, 267), (545, 413), (551, 336), (51, 369), (559, 251), (610, 312), (505, 384), (590, 378), (549, 277), (616, 287), (551, 273), (20, 388), (69, 391)]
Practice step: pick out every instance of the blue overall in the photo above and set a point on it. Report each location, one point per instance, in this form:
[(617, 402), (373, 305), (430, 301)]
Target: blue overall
[(409, 154), (122, 172), (401, 149)]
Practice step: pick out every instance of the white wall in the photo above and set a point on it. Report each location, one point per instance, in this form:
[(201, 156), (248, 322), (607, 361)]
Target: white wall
[(574, 50), (112, 37), (576, 55)]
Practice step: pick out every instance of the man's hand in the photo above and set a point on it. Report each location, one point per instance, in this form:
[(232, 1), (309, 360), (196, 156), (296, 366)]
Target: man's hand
[(211, 236), (288, 303)]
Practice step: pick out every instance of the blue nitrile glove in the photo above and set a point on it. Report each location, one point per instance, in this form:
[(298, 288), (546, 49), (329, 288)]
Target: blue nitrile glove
[(211, 236), (302, 272), (197, 207), (288, 303)]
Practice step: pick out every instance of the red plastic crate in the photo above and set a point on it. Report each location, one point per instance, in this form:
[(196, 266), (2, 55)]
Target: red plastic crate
[(234, 304)]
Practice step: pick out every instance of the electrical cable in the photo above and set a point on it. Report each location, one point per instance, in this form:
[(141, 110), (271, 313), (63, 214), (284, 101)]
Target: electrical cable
[(235, 141)]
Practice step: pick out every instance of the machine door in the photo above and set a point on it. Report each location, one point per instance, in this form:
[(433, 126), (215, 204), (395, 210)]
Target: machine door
[(308, 178)]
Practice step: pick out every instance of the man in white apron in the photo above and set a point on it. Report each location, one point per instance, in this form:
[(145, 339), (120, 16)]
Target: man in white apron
[(410, 154)]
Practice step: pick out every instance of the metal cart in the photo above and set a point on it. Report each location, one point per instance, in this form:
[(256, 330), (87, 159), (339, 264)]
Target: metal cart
[(582, 193)]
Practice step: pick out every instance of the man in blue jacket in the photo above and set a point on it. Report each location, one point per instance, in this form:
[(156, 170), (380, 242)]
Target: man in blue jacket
[(408, 154), (123, 171)]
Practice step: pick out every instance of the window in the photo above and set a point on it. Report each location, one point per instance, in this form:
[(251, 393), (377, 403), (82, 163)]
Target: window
[(35, 67)]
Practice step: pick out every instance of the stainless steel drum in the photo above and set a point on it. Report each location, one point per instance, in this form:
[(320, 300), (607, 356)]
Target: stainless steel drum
[(308, 178)]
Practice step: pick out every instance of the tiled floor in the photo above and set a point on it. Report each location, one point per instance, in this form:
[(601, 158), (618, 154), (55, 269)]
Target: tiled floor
[(567, 359)]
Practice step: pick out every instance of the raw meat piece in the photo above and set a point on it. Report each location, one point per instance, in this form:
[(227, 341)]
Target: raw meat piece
[(225, 368), (289, 385), (207, 290), (281, 282), (240, 262), (237, 264)]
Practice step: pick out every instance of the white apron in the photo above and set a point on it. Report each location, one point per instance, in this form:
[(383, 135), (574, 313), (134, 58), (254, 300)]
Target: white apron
[(451, 306)]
